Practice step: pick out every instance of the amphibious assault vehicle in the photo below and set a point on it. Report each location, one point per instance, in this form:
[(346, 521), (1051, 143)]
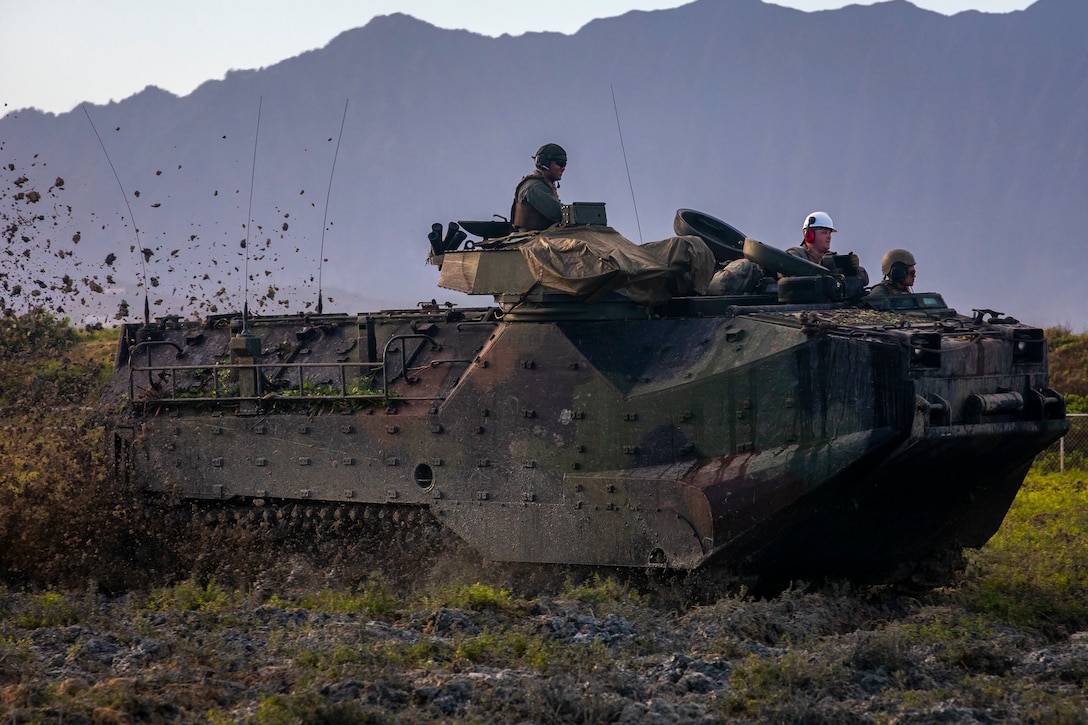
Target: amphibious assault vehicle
[(607, 411)]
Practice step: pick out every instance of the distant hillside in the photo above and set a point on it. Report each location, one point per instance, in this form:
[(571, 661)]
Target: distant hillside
[(962, 138)]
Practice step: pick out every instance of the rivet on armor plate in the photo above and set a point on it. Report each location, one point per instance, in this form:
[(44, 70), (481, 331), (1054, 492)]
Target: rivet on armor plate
[(260, 493), (580, 449), (304, 429), (305, 493), (528, 364), (611, 488), (528, 413), (630, 450), (217, 430), (303, 461), (260, 462), (480, 430), (686, 416), (630, 416), (436, 427), (347, 429), (483, 495), (391, 429), (260, 429), (217, 489), (789, 402), (392, 461), (437, 462), (528, 496), (347, 461), (574, 366), (349, 494), (579, 415), (483, 463), (529, 464), (741, 415), (170, 446), (485, 412), (177, 431), (217, 462), (576, 466), (392, 494)]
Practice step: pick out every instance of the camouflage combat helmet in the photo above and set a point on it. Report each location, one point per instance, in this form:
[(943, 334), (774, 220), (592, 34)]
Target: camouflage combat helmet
[(548, 153), (896, 255)]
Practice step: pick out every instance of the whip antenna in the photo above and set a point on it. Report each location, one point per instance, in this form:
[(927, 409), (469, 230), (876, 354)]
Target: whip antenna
[(624, 151), (135, 229), (249, 218), (328, 193)]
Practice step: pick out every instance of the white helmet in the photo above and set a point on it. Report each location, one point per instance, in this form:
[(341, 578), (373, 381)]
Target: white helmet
[(819, 219)]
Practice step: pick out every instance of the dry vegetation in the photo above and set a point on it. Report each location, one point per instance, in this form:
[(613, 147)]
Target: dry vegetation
[(114, 609), (1069, 366)]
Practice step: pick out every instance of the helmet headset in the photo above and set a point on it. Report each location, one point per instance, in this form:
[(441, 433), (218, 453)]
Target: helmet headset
[(548, 153), (896, 264), (816, 219)]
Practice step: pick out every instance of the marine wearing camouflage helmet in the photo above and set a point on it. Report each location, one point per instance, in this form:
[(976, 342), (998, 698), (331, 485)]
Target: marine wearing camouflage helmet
[(536, 198), (898, 268)]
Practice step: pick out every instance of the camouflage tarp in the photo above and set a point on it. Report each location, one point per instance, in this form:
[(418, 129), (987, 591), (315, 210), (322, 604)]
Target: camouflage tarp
[(594, 260)]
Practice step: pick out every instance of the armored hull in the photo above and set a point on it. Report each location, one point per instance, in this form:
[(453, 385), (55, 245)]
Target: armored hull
[(736, 433)]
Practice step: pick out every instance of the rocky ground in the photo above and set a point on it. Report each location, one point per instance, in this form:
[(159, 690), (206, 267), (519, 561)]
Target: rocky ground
[(467, 651)]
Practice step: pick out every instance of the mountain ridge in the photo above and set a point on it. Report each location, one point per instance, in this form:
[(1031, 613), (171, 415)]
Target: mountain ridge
[(959, 137)]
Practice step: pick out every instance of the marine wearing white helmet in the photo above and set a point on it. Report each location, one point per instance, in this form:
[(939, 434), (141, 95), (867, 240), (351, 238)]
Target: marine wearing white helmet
[(816, 242)]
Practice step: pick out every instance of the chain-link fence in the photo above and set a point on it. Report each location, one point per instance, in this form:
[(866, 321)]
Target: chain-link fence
[(1069, 453)]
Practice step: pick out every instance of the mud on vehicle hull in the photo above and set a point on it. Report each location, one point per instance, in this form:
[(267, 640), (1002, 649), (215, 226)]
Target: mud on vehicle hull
[(774, 441)]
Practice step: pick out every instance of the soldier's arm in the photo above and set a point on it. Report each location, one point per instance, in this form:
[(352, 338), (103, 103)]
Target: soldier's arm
[(538, 196)]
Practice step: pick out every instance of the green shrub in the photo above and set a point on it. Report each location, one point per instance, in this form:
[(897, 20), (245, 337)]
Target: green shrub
[(50, 609), (374, 597), (473, 597), (191, 596)]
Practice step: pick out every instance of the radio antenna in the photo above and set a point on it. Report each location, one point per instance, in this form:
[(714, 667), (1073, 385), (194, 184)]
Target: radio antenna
[(249, 219), (135, 229), (324, 220), (624, 151)]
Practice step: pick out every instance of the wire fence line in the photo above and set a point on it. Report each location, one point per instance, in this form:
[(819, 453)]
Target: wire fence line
[(1070, 453)]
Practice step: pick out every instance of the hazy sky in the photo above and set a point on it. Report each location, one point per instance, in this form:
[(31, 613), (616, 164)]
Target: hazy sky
[(58, 53)]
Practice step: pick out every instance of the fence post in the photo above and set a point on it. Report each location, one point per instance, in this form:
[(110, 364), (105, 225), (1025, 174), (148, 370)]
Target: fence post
[(1061, 455)]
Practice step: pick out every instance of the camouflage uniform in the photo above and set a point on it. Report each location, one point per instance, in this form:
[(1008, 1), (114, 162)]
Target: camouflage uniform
[(805, 253), (536, 203), (888, 288)]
